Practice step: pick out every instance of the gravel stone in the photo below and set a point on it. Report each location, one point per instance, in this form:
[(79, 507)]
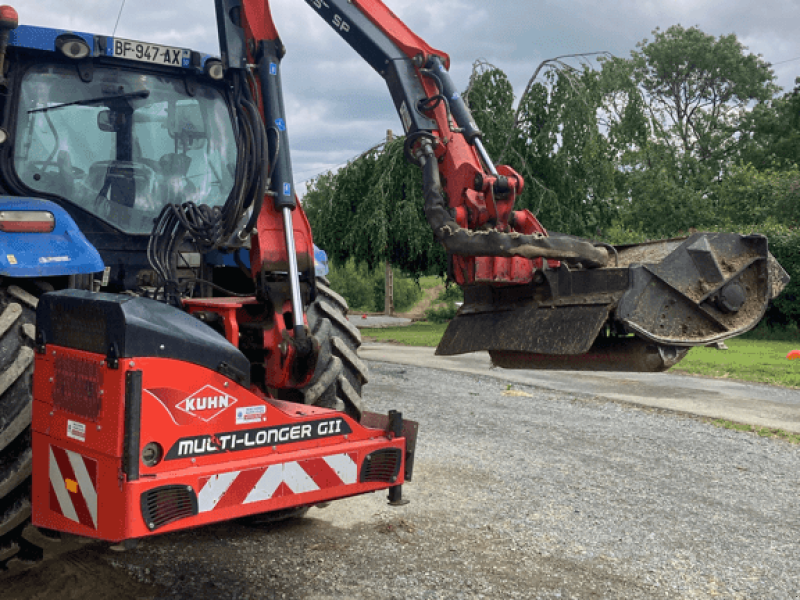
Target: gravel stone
[(536, 496)]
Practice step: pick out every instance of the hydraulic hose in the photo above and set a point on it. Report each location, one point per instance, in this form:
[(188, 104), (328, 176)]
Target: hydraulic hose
[(209, 227), (465, 242)]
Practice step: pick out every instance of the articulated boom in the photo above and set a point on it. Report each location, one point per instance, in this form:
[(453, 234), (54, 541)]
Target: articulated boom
[(533, 299)]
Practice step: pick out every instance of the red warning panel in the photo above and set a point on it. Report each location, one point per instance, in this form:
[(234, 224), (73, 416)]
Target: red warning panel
[(73, 486)]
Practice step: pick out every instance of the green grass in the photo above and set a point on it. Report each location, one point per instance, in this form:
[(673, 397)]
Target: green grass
[(422, 333), (761, 361), (749, 360), (430, 281), (760, 431)]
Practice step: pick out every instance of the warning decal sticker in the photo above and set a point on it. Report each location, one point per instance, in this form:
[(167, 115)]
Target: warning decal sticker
[(73, 486)]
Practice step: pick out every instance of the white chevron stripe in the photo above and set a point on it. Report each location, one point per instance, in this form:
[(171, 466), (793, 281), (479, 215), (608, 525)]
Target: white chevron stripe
[(344, 466), (84, 483), (267, 485), (214, 489), (57, 481), (290, 473), (297, 479)]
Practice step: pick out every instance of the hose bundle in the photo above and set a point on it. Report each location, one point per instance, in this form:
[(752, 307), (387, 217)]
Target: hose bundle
[(210, 227)]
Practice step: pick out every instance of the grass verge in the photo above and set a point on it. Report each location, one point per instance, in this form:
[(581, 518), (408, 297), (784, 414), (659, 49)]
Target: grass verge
[(761, 361), (422, 333), (794, 438)]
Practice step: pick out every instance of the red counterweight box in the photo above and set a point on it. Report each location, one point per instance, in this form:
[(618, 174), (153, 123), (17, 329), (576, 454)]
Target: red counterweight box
[(129, 447)]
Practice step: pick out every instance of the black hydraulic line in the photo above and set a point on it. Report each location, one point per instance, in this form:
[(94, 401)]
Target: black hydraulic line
[(209, 227), (456, 105), (465, 242)]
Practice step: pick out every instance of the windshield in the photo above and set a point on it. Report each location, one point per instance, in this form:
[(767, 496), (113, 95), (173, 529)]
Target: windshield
[(124, 144)]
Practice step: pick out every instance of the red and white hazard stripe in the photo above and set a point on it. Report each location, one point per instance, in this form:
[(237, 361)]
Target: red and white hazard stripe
[(256, 485), (73, 486)]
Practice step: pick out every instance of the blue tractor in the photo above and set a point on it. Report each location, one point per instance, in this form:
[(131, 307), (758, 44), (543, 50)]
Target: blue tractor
[(139, 170)]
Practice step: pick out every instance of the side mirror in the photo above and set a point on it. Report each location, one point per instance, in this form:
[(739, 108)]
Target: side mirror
[(110, 121), (104, 121)]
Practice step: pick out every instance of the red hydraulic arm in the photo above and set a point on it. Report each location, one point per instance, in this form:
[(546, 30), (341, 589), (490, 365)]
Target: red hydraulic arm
[(470, 210)]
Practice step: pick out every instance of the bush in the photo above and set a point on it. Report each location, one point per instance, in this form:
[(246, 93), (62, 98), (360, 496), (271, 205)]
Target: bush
[(354, 283), (784, 243), (364, 289), (441, 314), (452, 293), (773, 333)]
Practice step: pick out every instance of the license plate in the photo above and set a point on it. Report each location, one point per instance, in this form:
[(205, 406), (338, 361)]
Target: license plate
[(149, 53)]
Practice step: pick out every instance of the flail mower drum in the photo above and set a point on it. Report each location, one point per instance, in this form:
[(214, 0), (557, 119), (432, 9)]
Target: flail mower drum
[(643, 312)]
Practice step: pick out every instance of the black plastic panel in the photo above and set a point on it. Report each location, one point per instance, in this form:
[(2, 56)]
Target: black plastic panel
[(381, 466), (130, 326)]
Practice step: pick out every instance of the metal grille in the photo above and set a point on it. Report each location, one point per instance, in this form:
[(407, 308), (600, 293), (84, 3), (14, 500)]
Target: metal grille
[(77, 385), (381, 466), (79, 327), (168, 504)]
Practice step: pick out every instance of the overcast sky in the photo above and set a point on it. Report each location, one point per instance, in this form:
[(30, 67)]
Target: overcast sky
[(337, 106)]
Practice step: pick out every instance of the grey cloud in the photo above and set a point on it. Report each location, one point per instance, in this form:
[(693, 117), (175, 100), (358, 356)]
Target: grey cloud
[(337, 106)]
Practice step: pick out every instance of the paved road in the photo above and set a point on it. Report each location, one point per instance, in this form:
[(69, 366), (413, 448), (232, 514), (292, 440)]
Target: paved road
[(755, 404), (377, 321)]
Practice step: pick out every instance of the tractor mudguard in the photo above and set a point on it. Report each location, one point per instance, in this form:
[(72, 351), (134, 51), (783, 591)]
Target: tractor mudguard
[(62, 251)]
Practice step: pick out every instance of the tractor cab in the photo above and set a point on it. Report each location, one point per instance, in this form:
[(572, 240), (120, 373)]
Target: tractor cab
[(122, 138), (113, 131)]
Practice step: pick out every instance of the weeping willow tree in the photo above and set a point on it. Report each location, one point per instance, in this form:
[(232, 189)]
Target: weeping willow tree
[(553, 139), (372, 209)]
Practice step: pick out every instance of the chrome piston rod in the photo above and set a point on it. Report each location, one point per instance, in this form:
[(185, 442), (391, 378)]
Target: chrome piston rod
[(294, 275)]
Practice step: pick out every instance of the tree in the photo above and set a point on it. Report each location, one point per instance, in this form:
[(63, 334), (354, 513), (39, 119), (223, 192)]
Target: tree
[(774, 133), (677, 114), (552, 140), (372, 211)]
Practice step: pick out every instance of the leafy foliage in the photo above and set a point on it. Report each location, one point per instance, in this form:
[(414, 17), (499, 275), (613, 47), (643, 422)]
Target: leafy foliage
[(364, 289), (773, 140), (784, 243), (372, 211), (553, 140), (676, 114), (441, 314)]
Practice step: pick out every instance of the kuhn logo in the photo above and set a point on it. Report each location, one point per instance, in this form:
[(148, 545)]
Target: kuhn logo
[(206, 403)]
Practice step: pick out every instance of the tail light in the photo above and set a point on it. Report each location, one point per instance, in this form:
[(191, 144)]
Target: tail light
[(27, 221)]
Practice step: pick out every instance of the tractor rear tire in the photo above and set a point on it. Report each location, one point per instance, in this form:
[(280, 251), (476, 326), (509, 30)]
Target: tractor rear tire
[(337, 379), (16, 455), (340, 373), (21, 544)]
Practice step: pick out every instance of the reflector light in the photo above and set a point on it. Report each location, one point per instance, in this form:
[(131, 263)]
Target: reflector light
[(72, 46), (214, 69), (9, 19), (27, 221)]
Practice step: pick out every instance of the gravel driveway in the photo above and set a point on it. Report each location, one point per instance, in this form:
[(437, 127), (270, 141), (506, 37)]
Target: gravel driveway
[(518, 493)]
